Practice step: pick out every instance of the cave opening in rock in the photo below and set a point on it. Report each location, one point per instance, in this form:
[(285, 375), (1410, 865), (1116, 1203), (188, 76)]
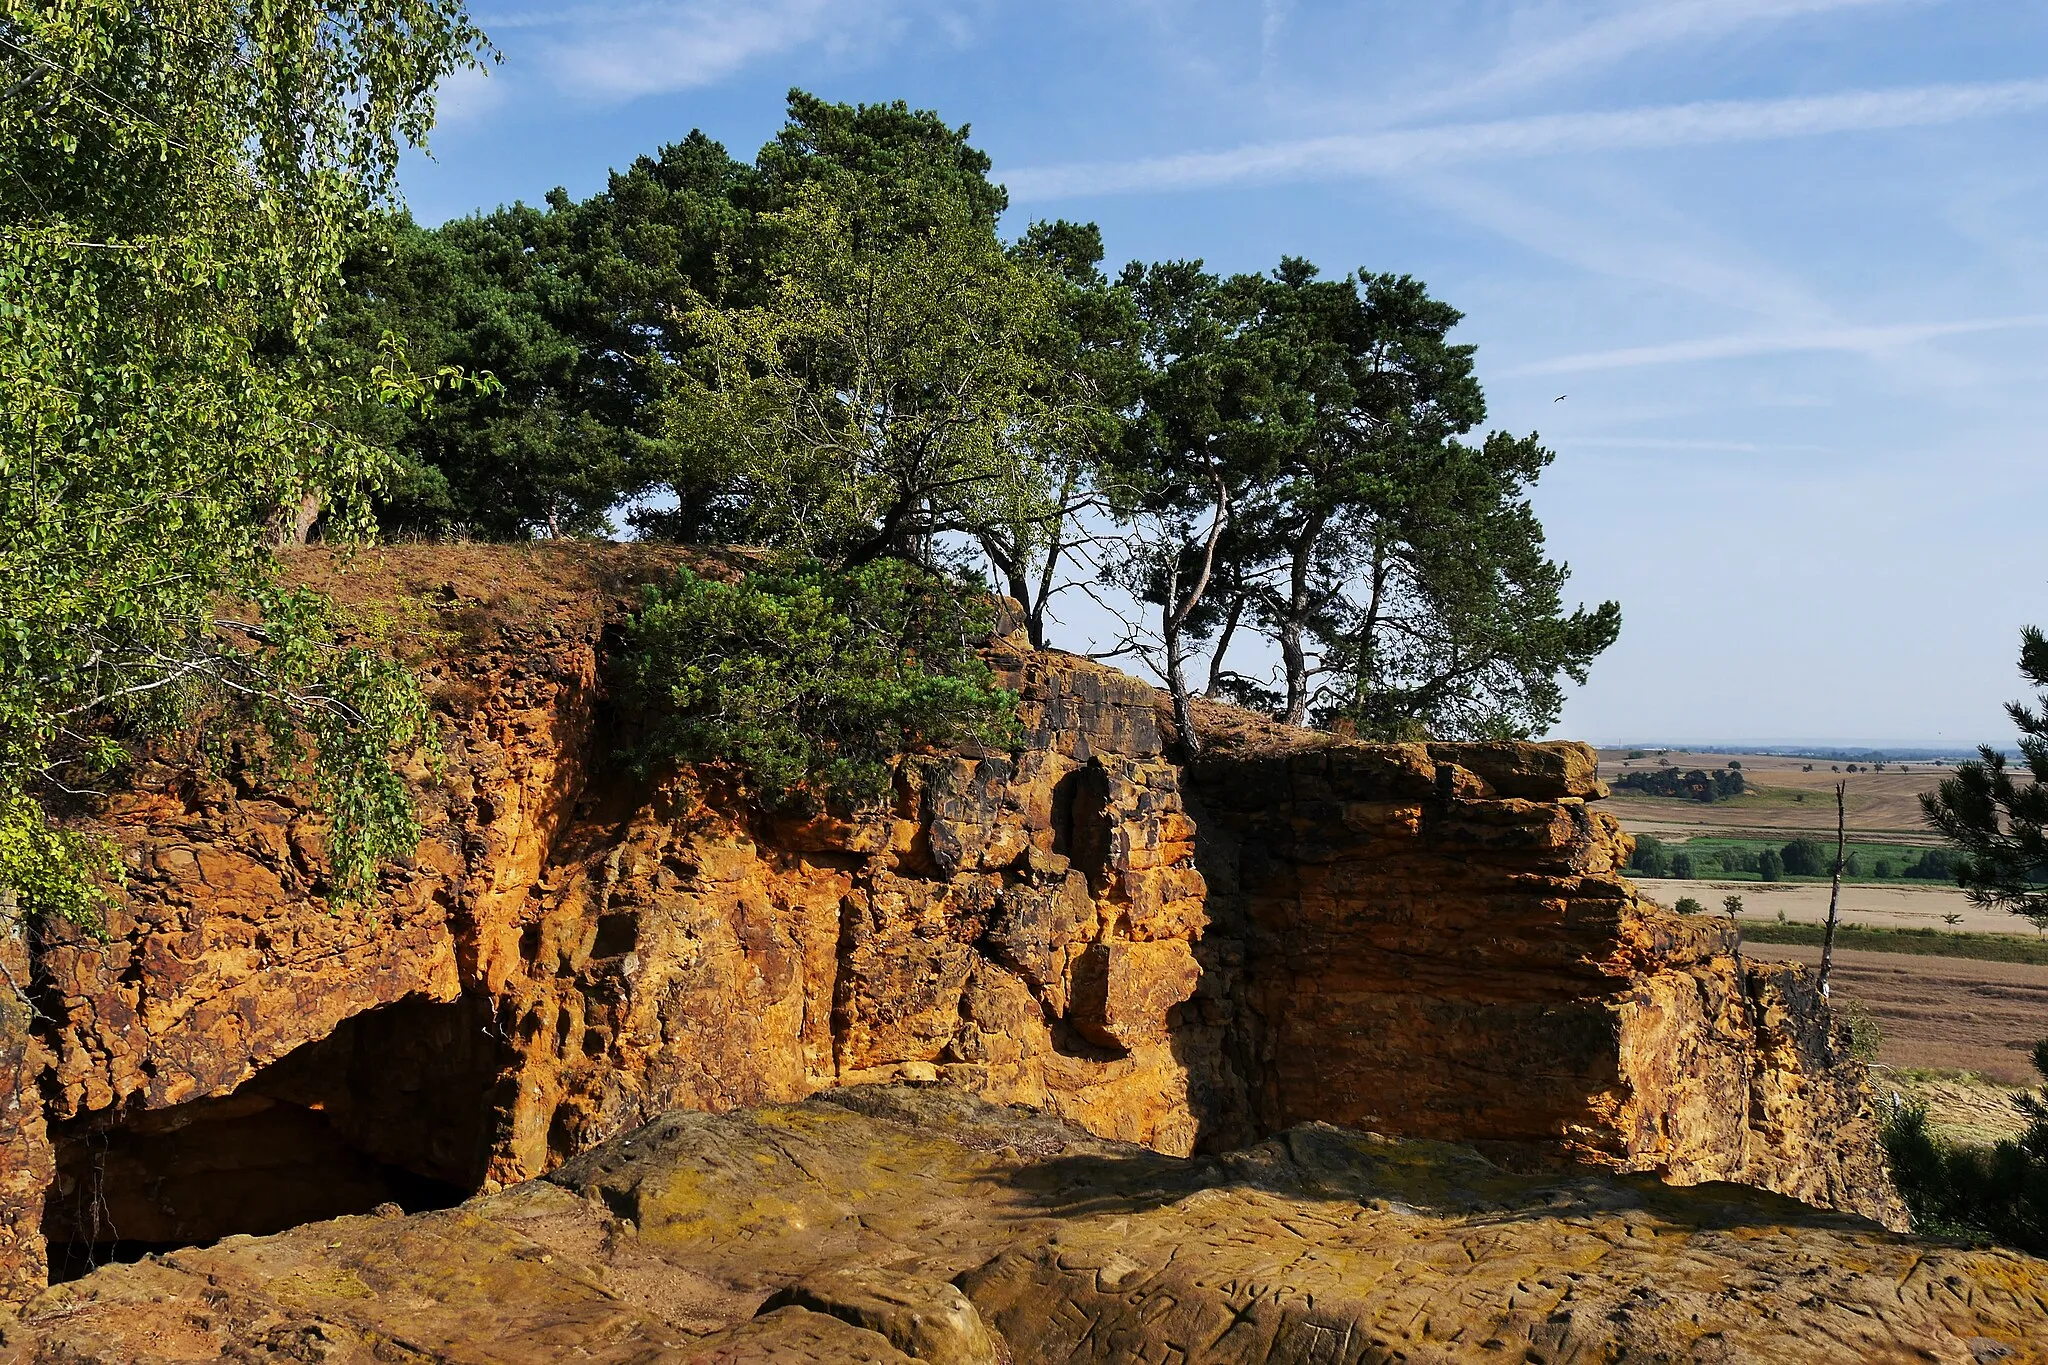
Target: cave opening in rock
[(396, 1106)]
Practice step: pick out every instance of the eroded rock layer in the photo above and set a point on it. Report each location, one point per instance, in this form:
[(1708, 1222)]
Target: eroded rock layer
[(1438, 941), (1426, 940), (889, 1224)]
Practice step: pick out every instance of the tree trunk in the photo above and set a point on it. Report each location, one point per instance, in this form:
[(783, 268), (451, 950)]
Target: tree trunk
[(1173, 616), (1827, 943), (1292, 655), (1176, 684), (1019, 584), (1296, 661), (1223, 644), (293, 525)]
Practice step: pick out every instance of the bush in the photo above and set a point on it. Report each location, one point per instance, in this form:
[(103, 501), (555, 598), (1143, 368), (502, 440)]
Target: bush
[(1681, 865), (1935, 865), (1651, 858), (1999, 1194), (809, 680), (1688, 906), (1693, 785), (1805, 858), (1770, 865), (1865, 1035)]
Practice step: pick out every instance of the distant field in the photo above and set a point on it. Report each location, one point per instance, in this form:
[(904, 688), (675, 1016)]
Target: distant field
[(1945, 1014), (1790, 794), (1959, 1011), (1910, 942), (1909, 905)]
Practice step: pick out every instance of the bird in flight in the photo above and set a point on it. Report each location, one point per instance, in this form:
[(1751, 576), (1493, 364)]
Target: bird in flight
[(1560, 398)]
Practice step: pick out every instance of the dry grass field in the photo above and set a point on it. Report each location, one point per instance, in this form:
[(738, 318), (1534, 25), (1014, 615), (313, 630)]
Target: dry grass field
[(1941, 1013), (1923, 905), (1957, 1032), (1786, 797)]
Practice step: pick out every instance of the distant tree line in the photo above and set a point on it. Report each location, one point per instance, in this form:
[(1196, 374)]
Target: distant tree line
[(1697, 785), (1802, 857), (831, 352)]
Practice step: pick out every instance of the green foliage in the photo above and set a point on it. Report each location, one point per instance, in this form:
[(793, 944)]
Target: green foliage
[(809, 680), (1190, 454), (1806, 858), (1093, 372), (179, 173), (1770, 865), (1695, 785), (333, 711), (1866, 1034), (2000, 825), (48, 873), (1374, 546), (1714, 856), (892, 387), (1998, 1194), (1688, 906), (1934, 865), (552, 444), (589, 312), (830, 352)]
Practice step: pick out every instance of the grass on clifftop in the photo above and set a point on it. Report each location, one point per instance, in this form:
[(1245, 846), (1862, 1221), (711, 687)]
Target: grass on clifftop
[(1919, 942)]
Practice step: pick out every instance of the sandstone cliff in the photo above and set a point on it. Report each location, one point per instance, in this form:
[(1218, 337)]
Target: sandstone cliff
[(1432, 941), (890, 1224)]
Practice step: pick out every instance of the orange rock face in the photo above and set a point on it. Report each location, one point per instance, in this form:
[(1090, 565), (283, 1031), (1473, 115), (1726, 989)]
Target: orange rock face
[(1438, 942), (1425, 940)]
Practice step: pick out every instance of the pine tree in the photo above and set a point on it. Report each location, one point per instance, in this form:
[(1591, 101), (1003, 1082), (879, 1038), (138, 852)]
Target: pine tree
[(1996, 821)]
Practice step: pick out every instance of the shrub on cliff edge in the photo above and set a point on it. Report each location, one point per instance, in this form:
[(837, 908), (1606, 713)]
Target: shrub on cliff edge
[(810, 680), (1997, 1194)]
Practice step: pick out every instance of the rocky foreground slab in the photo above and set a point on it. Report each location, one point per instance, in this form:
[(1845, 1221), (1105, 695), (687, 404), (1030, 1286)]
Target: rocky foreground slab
[(894, 1223)]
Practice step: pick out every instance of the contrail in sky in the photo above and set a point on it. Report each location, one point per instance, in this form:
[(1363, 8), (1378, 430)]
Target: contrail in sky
[(1398, 151)]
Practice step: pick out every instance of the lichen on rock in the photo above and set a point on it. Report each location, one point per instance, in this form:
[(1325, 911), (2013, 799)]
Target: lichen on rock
[(900, 1223)]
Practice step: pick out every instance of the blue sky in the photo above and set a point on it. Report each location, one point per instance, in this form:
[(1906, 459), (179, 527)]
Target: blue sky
[(1787, 261)]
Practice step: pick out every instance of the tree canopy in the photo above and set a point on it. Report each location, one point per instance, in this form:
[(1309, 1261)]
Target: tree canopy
[(887, 390), (182, 174), (1297, 450), (831, 350)]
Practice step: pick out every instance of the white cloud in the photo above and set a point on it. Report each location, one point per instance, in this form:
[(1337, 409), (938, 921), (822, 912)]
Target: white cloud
[(1860, 340), (1604, 223), (1273, 17), (1403, 150), (1619, 36), (612, 52), (1702, 446), (466, 96), (693, 45)]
